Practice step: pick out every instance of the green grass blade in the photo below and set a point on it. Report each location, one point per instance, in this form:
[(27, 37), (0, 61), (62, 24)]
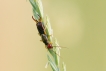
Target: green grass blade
[(64, 67), (37, 8), (57, 51), (52, 64)]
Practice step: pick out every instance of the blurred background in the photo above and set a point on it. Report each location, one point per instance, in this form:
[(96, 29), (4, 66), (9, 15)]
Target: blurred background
[(77, 24)]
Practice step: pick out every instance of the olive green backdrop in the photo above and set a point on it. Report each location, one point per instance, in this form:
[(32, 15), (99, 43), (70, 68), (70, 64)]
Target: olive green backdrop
[(77, 24)]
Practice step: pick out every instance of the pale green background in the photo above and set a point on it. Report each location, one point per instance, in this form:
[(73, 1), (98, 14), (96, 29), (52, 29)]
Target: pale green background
[(77, 24)]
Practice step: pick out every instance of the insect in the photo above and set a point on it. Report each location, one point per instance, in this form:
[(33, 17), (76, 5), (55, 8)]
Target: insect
[(41, 30), (40, 26)]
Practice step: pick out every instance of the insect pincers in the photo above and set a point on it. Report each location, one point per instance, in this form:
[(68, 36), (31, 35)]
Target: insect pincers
[(39, 25)]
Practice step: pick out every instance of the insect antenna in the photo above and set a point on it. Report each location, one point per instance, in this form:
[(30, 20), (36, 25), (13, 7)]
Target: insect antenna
[(60, 46)]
